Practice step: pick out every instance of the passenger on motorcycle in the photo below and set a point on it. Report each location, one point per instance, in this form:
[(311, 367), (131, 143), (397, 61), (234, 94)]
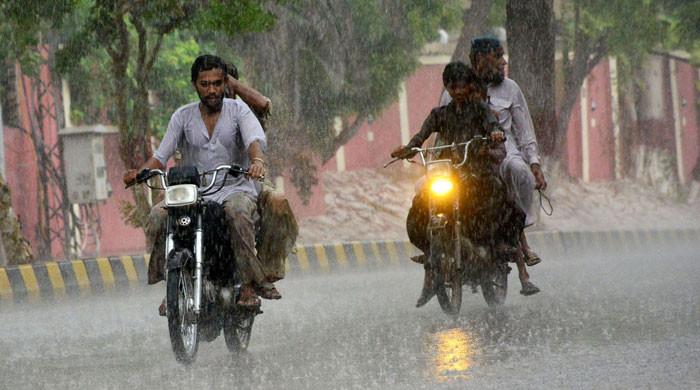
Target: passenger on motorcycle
[(214, 131), (466, 116), (278, 228), (521, 168)]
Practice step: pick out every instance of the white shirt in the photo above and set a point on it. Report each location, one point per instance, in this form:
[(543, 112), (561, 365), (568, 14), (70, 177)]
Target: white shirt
[(508, 101), (233, 133)]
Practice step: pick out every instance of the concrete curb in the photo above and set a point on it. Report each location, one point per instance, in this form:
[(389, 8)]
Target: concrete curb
[(49, 280)]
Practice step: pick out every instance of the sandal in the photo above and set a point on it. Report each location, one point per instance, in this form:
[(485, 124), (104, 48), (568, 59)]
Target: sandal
[(531, 258), (268, 291), (162, 309), (529, 288), (420, 259), (247, 297)]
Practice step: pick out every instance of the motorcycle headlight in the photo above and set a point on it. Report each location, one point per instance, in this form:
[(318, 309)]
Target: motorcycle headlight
[(181, 195), (441, 186)]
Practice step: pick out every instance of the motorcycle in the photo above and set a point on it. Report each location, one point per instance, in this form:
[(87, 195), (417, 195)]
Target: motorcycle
[(202, 282), (462, 250)]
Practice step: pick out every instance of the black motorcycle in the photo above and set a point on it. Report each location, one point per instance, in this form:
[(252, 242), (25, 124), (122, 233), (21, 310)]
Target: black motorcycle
[(463, 236), (202, 282)]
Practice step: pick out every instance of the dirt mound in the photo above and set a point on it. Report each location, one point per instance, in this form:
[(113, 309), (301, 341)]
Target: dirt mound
[(372, 204)]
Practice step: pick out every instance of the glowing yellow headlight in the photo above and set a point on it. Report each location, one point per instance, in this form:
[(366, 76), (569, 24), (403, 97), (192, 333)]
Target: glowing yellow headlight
[(441, 186)]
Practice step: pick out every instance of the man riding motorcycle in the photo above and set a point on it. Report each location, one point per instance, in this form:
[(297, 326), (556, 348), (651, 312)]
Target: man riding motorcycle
[(466, 116), (520, 170), (208, 133)]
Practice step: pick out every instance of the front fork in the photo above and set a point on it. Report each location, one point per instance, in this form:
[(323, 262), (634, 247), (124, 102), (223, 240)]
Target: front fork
[(198, 260), (198, 257), (452, 228)]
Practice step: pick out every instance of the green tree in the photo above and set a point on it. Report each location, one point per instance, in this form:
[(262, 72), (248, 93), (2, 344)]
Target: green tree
[(132, 34), (591, 30), (334, 59)]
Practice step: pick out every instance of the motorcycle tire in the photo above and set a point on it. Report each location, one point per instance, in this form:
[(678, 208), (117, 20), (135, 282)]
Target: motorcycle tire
[(238, 327), (182, 324), (495, 289), (446, 278)]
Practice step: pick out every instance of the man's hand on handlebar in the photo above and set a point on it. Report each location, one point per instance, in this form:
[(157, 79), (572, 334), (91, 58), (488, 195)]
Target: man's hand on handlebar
[(498, 136), (257, 168), (403, 152), (129, 177)]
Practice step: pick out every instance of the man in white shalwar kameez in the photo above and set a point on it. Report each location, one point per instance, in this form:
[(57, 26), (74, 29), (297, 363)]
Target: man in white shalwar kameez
[(521, 169)]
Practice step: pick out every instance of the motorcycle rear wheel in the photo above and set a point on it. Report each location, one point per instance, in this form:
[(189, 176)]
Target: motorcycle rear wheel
[(446, 278), (182, 324), (495, 289), (238, 327)]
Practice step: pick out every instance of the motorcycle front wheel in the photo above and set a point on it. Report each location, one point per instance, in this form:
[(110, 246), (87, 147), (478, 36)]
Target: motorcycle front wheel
[(182, 323), (238, 327), (446, 278), (495, 288)]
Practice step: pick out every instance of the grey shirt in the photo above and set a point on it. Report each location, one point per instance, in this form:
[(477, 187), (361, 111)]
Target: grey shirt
[(235, 130), (507, 100)]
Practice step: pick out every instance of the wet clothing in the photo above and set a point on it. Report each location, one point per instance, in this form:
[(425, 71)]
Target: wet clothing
[(241, 218), (455, 124), (236, 129), (508, 101), (486, 214)]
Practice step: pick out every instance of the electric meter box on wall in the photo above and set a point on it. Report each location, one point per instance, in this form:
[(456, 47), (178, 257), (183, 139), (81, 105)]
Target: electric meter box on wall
[(84, 163)]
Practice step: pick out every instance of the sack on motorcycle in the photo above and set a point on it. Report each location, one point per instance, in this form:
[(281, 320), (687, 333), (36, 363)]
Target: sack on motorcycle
[(277, 235)]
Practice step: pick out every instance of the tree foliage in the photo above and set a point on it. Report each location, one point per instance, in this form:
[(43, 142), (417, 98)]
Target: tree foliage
[(132, 34), (591, 30), (334, 59)]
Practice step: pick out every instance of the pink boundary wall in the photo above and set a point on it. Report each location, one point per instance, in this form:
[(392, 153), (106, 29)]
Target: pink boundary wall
[(370, 148)]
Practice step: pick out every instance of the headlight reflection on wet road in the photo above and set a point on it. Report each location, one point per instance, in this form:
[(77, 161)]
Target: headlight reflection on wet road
[(454, 351)]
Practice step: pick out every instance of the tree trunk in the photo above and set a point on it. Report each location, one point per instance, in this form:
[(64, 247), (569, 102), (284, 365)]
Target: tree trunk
[(475, 23), (530, 31)]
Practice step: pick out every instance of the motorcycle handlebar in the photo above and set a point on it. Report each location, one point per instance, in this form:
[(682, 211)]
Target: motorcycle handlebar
[(234, 170)]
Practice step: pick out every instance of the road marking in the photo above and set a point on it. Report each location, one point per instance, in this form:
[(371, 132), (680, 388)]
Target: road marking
[(303, 258), (5, 287), (321, 257), (129, 268), (59, 288), (340, 255), (393, 254), (410, 249), (106, 272), (29, 278), (359, 253), (81, 276), (375, 250)]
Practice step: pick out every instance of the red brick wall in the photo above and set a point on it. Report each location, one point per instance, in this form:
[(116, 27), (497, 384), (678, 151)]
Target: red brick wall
[(687, 78), (370, 148)]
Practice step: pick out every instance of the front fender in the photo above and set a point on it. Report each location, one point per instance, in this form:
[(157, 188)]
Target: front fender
[(178, 258)]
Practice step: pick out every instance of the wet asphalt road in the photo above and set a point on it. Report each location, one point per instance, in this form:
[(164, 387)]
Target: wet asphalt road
[(618, 322)]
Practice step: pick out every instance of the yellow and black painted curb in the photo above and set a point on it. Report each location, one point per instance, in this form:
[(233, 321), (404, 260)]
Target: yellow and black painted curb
[(48, 280)]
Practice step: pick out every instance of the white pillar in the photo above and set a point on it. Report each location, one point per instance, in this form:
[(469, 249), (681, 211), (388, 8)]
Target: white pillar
[(585, 152), (279, 184), (340, 154), (677, 127), (3, 256), (65, 94), (2, 146), (403, 117), (615, 103)]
